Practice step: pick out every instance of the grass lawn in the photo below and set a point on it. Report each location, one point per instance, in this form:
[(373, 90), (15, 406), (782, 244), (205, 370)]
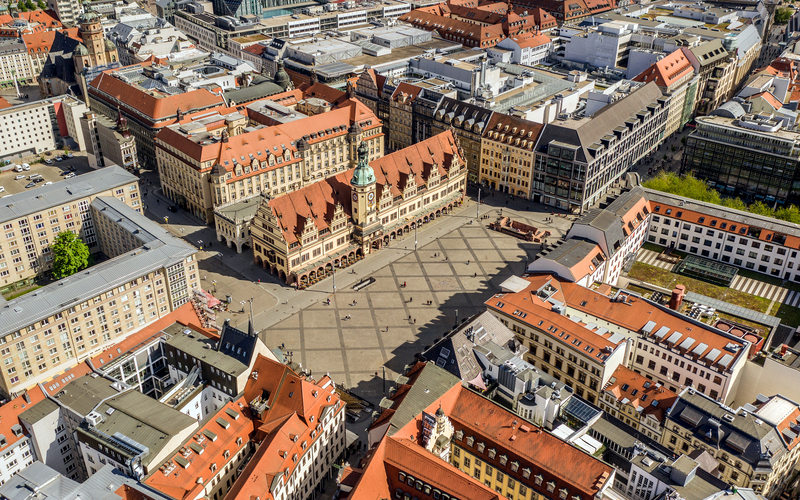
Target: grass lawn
[(668, 280), (788, 315), (653, 247)]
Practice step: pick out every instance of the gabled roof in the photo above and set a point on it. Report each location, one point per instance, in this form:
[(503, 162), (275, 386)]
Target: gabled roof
[(531, 39), (668, 71), (631, 388)]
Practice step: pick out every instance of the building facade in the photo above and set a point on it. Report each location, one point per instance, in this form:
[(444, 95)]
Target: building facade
[(46, 124), (109, 143), (577, 161), (57, 327), (372, 204), (507, 154)]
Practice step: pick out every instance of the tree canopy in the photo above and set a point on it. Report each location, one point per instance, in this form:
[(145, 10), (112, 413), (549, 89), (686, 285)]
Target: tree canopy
[(70, 255), (696, 189), (783, 14)]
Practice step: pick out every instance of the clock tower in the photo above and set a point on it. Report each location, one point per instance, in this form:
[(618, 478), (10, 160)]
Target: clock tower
[(364, 202)]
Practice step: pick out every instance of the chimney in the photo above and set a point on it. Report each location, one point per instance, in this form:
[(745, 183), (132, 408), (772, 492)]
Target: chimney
[(676, 299)]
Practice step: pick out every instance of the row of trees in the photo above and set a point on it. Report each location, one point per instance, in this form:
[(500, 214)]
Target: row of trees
[(696, 189)]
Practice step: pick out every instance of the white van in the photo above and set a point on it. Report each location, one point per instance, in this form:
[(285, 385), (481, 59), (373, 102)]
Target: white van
[(25, 166), (17, 168)]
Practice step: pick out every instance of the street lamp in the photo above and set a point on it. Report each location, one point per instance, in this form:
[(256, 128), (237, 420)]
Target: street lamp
[(456, 317), (478, 209), (415, 235), (214, 283)]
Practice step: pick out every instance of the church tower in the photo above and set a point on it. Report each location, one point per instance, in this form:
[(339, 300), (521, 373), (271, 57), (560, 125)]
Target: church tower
[(364, 204)]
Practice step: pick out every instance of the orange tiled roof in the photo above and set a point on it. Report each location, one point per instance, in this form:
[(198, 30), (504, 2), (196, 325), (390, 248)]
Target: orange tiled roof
[(155, 108), (406, 89), (4, 103), (472, 34), (632, 315), (513, 130), (39, 42), (770, 98), (289, 425), (317, 201), (10, 412), (531, 39), (188, 483), (667, 71), (640, 392)]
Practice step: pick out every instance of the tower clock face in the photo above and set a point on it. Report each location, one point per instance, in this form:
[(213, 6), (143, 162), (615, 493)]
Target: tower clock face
[(371, 196), (355, 196)]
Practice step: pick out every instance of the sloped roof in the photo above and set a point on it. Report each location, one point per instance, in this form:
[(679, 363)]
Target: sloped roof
[(531, 39), (667, 71), (640, 392)]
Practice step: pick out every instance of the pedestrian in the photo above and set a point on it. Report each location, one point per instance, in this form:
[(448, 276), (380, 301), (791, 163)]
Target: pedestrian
[(409, 317), (387, 328), (474, 275), (158, 201), (411, 299), (404, 284), (467, 261), (415, 321)]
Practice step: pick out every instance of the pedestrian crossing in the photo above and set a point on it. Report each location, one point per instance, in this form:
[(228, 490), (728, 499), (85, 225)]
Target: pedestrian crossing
[(759, 288), (741, 283), (792, 299), (651, 258)]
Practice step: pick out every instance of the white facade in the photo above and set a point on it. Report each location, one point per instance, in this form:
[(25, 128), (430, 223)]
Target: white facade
[(527, 56), (67, 11), (20, 455), (353, 18), (31, 128), (603, 47), (52, 440), (304, 27)]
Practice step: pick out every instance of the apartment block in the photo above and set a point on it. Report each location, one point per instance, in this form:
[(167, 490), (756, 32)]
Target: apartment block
[(32, 219), (581, 337), (109, 142), (150, 274)]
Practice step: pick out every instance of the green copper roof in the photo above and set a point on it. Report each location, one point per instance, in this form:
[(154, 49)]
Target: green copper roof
[(363, 175)]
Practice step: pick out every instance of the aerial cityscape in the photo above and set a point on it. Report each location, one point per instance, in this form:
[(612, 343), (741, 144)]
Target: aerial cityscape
[(400, 249)]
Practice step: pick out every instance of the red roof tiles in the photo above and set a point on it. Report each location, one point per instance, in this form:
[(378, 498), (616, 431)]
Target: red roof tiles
[(668, 71)]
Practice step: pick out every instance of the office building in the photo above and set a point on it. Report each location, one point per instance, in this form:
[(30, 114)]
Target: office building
[(559, 321), (298, 238), (753, 156), (272, 148), (108, 142), (68, 11), (444, 440), (578, 160)]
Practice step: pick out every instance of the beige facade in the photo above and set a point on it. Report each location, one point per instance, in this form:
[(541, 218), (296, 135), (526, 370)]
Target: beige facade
[(26, 236), (303, 242), (214, 162), (57, 326), (507, 154)]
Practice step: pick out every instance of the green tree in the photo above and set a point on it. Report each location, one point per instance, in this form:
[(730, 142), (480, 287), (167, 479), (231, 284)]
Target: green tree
[(761, 208), (687, 186), (789, 214), (783, 14), (30, 5), (21, 6), (70, 255), (735, 203)]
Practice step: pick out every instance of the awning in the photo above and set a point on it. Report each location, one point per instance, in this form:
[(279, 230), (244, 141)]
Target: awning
[(350, 437), (478, 382), (212, 301)]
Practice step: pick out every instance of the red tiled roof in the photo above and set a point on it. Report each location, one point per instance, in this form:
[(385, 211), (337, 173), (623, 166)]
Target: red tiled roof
[(513, 131), (39, 42), (770, 98), (156, 108), (408, 90), (10, 412), (286, 426), (256, 49), (472, 34), (667, 71), (4, 103), (188, 483), (531, 39), (317, 201), (640, 392)]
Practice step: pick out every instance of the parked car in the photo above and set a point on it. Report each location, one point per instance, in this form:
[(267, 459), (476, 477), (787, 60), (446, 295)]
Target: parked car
[(69, 155), (47, 183), (58, 158), (69, 175), (172, 208), (30, 185), (71, 168), (17, 168), (49, 161), (19, 177), (25, 166), (2, 189), (37, 180)]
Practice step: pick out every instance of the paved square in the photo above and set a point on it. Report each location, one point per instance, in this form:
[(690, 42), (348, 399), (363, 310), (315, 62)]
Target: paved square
[(354, 350)]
